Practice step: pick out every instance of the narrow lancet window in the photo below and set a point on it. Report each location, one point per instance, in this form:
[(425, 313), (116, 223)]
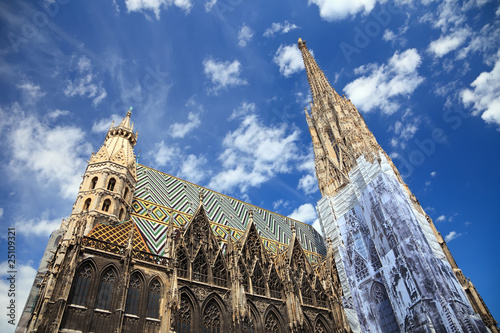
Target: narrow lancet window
[(111, 184)]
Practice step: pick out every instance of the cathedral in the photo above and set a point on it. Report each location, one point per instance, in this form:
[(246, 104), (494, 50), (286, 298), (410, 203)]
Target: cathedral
[(144, 251)]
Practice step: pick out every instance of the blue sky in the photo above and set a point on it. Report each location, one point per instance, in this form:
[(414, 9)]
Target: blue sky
[(218, 90)]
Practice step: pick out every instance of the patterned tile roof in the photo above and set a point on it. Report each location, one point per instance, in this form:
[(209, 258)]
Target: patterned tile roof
[(159, 197)]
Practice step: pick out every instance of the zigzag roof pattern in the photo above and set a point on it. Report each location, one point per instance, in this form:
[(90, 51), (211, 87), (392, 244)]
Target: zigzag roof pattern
[(159, 197)]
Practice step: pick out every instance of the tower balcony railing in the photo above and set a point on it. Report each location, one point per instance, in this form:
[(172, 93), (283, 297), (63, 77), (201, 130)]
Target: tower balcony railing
[(150, 257)]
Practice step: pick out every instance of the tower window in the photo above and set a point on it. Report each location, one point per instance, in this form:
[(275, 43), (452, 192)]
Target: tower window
[(154, 299), (125, 193), (86, 205), (111, 184), (120, 216), (105, 205), (93, 183)]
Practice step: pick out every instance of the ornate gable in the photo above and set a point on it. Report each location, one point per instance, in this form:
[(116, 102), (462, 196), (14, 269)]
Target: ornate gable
[(252, 248), (101, 156), (199, 233)]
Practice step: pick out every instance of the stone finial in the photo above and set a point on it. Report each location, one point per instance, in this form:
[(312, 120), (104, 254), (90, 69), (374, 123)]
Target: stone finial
[(292, 226), (250, 215), (201, 196)]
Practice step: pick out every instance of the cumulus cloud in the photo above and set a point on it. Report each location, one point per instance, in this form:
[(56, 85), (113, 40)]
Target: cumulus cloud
[(305, 213), (244, 109), (179, 130), (54, 155), (433, 174), (441, 218), (255, 153), (451, 236), (40, 227), (157, 5), (308, 183), (289, 59), (445, 44), (380, 86), (57, 113), (484, 96), (223, 74), (85, 84), (244, 35), (282, 28), (334, 10), (209, 5)]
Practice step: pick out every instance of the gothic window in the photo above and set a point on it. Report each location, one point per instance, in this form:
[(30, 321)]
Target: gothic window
[(183, 270), (106, 290), (125, 193), (360, 268), (384, 311), (82, 285), (200, 268), (320, 327), (321, 297), (111, 184), (275, 285), (258, 282), (134, 288), (184, 315), (307, 295), (154, 299), (86, 205), (120, 216), (374, 257), (220, 272), (105, 205), (212, 321), (93, 183), (244, 274), (249, 325), (272, 324), (359, 244)]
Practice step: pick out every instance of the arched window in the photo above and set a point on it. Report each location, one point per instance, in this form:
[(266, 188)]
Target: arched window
[(106, 290), (307, 295), (134, 289), (360, 268), (86, 205), (154, 299), (81, 286), (272, 324), (220, 272), (120, 216), (258, 282), (212, 320), (183, 270), (184, 315), (384, 311), (93, 183), (244, 275), (320, 327), (125, 193), (275, 285), (200, 268), (106, 204), (250, 324), (111, 184)]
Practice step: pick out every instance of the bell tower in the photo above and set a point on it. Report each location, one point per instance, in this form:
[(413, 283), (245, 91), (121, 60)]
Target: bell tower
[(109, 182)]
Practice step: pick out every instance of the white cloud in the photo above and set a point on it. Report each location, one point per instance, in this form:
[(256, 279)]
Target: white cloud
[(305, 213), (209, 5), (243, 110), (244, 35), (289, 59), (103, 125), (223, 74), (452, 235), (1, 212), (54, 155), (254, 153), (162, 153), (24, 280), (39, 227), (484, 95), (446, 44), (156, 5), (193, 168), (57, 113), (332, 10), (389, 36), (441, 218), (282, 28), (179, 130), (433, 174), (381, 85), (31, 92), (317, 226), (84, 84), (308, 183)]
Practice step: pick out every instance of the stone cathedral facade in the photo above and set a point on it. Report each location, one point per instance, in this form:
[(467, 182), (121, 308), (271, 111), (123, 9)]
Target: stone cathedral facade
[(144, 251), (396, 271)]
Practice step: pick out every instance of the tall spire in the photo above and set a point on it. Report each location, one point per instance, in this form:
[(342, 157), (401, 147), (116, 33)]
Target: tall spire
[(338, 130)]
